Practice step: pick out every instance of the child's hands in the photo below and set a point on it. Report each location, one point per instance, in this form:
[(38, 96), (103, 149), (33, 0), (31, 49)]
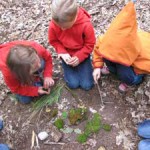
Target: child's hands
[(96, 74), (41, 91), (65, 57), (48, 81), (74, 61)]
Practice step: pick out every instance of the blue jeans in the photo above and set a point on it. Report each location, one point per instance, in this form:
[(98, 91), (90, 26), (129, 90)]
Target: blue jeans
[(4, 147), (79, 76), (1, 124), (124, 73), (144, 131), (28, 99)]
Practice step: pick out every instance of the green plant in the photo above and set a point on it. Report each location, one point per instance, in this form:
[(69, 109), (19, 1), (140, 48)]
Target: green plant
[(59, 123), (64, 115), (82, 138), (53, 113), (53, 97), (76, 115), (106, 127), (92, 126), (45, 100)]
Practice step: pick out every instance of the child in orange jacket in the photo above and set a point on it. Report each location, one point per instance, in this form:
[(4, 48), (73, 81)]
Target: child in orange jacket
[(72, 35), (23, 65), (125, 51)]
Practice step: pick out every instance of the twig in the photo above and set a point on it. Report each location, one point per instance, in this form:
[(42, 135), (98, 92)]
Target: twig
[(35, 27), (53, 143), (100, 94), (32, 139)]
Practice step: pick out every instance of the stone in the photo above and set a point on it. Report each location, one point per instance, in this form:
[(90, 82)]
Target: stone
[(42, 135), (55, 133)]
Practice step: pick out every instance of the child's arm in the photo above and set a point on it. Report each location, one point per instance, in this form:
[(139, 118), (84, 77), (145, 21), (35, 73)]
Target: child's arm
[(89, 41), (97, 60), (45, 54), (53, 40), (17, 88)]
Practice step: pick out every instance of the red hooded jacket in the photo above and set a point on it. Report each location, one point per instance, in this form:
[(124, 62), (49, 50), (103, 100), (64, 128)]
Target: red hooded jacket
[(78, 40), (11, 81)]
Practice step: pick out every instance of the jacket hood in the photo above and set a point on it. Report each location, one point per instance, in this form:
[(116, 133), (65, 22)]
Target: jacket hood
[(82, 16), (121, 42)]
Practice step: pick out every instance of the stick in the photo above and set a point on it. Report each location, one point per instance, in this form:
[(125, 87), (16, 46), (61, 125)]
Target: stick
[(32, 139), (53, 143), (33, 30), (100, 94)]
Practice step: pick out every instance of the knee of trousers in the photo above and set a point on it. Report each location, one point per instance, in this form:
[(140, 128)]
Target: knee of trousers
[(26, 100), (73, 85), (144, 129), (126, 78), (4, 147), (86, 86), (144, 145)]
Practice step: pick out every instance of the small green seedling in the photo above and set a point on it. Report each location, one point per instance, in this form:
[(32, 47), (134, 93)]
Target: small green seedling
[(59, 123), (106, 127), (92, 126)]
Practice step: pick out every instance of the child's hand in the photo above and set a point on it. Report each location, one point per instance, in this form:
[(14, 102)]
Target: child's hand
[(41, 91), (96, 74), (65, 57), (74, 61), (48, 81)]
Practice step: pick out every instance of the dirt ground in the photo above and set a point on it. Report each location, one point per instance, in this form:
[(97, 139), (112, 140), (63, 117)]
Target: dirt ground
[(29, 20)]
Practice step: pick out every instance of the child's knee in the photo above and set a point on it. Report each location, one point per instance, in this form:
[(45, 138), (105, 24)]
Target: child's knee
[(129, 80), (144, 129), (87, 86), (73, 84), (144, 145), (24, 99), (4, 147)]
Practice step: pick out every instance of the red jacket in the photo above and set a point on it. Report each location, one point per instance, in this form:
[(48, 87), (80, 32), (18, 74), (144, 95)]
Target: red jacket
[(78, 40), (11, 81)]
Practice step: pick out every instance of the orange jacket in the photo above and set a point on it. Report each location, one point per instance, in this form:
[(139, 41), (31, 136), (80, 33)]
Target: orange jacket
[(123, 44)]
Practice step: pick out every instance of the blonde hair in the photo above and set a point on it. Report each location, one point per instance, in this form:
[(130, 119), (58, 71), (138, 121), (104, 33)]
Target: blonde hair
[(64, 10), (20, 60)]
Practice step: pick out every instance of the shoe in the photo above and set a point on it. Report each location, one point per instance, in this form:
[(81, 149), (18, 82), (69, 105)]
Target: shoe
[(105, 71), (123, 87)]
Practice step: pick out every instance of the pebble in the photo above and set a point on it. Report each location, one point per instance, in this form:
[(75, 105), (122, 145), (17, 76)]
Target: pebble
[(101, 148), (42, 135)]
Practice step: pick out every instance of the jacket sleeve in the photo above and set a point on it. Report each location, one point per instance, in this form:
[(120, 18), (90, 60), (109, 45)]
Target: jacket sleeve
[(17, 88), (45, 54), (97, 58), (89, 41), (53, 40)]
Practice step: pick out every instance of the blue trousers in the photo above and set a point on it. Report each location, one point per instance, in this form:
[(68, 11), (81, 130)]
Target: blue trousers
[(124, 73), (79, 76), (4, 147), (144, 131), (28, 99)]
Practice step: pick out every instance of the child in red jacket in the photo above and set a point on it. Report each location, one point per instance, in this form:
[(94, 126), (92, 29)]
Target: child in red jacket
[(72, 35), (23, 64)]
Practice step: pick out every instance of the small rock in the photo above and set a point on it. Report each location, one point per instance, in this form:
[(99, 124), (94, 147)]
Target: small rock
[(55, 133), (101, 148), (42, 135)]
